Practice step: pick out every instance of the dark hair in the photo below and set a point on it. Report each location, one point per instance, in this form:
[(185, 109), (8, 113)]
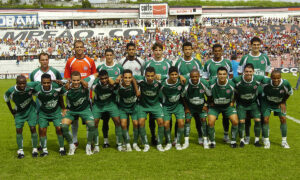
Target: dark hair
[(109, 50), (46, 76), (19, 77), (103, 73), (127, 71), (216, 46), (156, 45), (249, 65), (43, 54), (233, 57), (75, 73), (78, 41), (186, 44), (255, 39), (222, 68), (275, 71), (150, 69), (130, 44), (194, 71), (173, 69)]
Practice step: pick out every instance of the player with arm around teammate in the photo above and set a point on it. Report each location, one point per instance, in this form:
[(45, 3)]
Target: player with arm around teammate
[(276, 91), (25, 110)]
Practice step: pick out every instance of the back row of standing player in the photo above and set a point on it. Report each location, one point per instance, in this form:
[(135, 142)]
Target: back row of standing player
[(220, 93)]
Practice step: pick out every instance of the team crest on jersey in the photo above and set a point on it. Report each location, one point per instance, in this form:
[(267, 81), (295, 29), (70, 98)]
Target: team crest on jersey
[(155, 85), (179, 88), (194, 67), (85, 68), (55, 94), (263, 62), (137, 69), (116, 73), (201, 91), (228, 91), (281, 91), (255, 87), (164, 67)]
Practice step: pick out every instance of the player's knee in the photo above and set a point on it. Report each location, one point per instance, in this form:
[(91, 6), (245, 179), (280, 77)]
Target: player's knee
[(135, 124), (242, 121), (257, 120), (283, 120), (167, 124), (58, 130), (187, 120)]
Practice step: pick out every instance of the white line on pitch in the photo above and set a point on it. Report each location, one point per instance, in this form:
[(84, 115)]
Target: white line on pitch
[(293, 119)]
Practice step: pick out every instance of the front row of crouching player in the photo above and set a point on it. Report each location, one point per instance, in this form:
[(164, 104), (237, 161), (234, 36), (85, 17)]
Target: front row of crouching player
[(136, 96)]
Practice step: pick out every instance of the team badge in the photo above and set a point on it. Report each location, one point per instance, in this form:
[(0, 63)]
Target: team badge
[(263, 62), (137, 69), (281, 91), (194, 67), (228, 91), (155, 85), (85, 68), (255, 87), (179, 88), (201, 91), (116, 73), (164, 67), (55, 94)]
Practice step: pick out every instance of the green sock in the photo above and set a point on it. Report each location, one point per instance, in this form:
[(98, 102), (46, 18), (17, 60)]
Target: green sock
[(266, 130), (96, 137), (34, 139), (161, 130), (143, 134), (66, 134), (168, 135), (241, 130), (204, 128), (20, 141), (283, 129), (211, 133), (135, 135), (60, 141), (234, 131), (179, 134), (125, 136), (257, 128), (187, 129), (44, 141), (119, 135)]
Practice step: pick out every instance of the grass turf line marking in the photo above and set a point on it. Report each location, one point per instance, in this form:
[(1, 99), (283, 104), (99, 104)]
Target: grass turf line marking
[(293, 119)]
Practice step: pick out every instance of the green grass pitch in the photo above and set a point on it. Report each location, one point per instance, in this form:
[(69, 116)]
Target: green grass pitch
[(192, 163)]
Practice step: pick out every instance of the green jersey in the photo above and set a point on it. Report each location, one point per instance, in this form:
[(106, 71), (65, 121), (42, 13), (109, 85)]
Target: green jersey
[(261, 63), (126, 96), (149, 92), (211, 68), (103, 94), (274, 95), (161, 67), (171, 93), (22, 99), (79, 99), (185, 67), (113, 71), (48, 100), (37, 74), (195, 93), (222, 95), (247, 92)]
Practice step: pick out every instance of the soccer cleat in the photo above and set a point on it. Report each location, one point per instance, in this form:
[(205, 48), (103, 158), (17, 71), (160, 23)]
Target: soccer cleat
[(153, 141), (88, 150), (233, 145), (40, 148), (285, 145), (128, 147), (257, 144), (168, 147), (247, 140), (267, 144), (146, 148), (20, 154), (106, 145), (174, 142), (96, 149), (44, 153), (226, 139), (160, 148), (205, 144), (185, 145), (72, 150), (62, 152), (178, 147), (200, 140), (120, 148), (35, 154), (242, 144), (212, 145), (136, 147)]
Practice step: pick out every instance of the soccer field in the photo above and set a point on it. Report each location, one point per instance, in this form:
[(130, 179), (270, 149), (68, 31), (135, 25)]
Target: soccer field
[(222, 162)]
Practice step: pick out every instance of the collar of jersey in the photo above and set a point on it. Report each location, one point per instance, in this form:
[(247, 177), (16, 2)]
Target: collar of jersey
[(47, 91), (281, 81), (254, 56), (46, 71), (217, 61), (186, 60), (220, 84), (111, 65), (123, 86), (171, 84), (19, 90), (74, 88), (190, 81), (158, 61), (247, 81)]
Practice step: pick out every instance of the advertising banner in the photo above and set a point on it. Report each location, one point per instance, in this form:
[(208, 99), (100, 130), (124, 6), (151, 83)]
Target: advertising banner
[(153, 11), (18, 20)]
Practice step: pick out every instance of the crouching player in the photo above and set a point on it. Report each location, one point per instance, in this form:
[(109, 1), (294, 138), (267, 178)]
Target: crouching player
[(276, 91), (21, 95), (172, 90), (195, 105), (149, 103), (222, 101), (126, 97), (77, 96), (247, 86), (49, 95), (104, 101)]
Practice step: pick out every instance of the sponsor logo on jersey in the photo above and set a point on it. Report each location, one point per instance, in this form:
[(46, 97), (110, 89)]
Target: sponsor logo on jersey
[(201, 91), (164, 67), (155, 85), (25, 103), (262, 61), (179, 88), (85, 68), (281, 91)]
